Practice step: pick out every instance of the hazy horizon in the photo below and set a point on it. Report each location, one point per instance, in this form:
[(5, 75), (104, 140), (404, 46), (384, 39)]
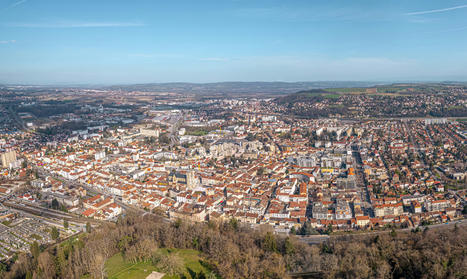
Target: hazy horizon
[(370, 82)]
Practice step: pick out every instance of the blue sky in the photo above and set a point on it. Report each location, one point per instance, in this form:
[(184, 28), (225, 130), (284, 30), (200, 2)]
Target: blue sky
[(112, 41)]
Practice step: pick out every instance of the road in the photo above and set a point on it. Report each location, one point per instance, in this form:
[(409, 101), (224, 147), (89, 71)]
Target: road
[(17, 119), (173, 130), (361, 183), (317, 239)]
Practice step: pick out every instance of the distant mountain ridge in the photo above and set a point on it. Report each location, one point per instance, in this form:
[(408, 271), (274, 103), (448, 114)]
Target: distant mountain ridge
[(239, 88), (217, 88)]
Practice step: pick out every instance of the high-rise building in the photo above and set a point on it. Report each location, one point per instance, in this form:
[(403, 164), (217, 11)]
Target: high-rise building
[(7, 158)]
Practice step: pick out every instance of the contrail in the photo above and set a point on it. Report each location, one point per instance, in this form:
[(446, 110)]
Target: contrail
[(18, 3), (437, 10)]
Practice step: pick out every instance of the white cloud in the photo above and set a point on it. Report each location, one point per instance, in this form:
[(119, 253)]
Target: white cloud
[(7, 42), (143, 55), (215, 59), (156, 55), (313, 14), (76, 24), (437, 10)]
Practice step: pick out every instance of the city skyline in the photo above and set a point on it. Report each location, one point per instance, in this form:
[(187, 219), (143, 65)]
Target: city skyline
[(50, 42)]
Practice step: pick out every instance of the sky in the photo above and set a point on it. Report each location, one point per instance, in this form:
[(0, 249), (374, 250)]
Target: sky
[(139, 41)]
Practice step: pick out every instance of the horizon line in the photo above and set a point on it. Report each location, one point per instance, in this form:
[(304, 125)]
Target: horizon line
[(235, 81)]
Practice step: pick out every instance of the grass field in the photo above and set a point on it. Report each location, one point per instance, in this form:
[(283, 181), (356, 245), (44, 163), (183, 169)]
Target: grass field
[(347, 90), (380, 91), (118, 268), (331, 96)]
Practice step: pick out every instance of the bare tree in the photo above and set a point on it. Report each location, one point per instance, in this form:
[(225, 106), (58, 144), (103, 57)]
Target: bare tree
[(171, 264), (97, 269)]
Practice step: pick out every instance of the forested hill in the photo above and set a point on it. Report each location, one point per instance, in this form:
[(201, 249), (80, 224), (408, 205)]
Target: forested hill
[(306, 96), (397, 100), (231, 250)]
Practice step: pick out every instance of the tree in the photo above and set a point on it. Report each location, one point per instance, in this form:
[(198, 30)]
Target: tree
[(260, 171), (3, 269), (35, 250), (289, 247), (250, 137), (233, 223), (88, 227), (171, 264), (97, 267), (269, 242), (211, 275), (65, 224), (164, 139), (46, 265), (55, 204), (54, 233), (246, 253), (307, 229), (329, 229)]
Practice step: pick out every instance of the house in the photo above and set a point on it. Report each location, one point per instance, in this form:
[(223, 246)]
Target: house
[(416, 207), (388, 209), (362, 221)]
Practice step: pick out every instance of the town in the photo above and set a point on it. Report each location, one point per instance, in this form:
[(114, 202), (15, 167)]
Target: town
[(233, 139), (238, 158)]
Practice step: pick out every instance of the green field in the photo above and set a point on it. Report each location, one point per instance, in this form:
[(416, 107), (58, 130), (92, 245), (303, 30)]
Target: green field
[(346, 90), (118, 268), (331, 96), (363, 90), (197, 133)]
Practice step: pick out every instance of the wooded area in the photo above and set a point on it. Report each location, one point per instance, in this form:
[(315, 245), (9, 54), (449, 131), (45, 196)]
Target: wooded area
[(234, 251)]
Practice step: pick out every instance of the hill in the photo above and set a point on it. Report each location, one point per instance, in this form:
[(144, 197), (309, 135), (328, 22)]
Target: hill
[(396, 100), (313, 95)]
